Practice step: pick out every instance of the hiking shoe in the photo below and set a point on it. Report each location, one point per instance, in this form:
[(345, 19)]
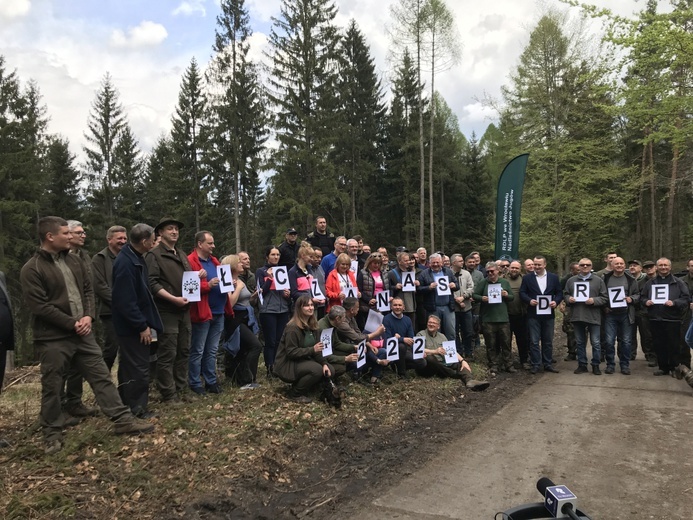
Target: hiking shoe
[(581, 369), (198, 390), (53, 447), (652, 363), (213, 389), (81, 410), (625, 371), (134, 425), (609, 370), (511, 370), (660, 373), (551, 369), (570, 357), (146, 414), (596, 371), (477, 386), (534, 370), (526, 366), (70, 421)]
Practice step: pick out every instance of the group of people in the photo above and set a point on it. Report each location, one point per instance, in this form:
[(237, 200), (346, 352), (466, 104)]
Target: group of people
[(316, 310)]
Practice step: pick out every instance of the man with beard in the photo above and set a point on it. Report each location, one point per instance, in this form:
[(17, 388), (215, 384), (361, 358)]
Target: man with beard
[(517, 312)]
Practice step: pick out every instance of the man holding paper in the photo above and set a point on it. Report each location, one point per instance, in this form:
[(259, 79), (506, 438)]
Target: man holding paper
[(622, 290), (342, 356), (584, 294), (492, 293), (399, 326), (167, 265), (666, 299), (442, 358), (542, 292), (437, 284)]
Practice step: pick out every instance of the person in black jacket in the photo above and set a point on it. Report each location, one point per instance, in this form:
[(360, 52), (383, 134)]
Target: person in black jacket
[(288, 250), (136, 320)]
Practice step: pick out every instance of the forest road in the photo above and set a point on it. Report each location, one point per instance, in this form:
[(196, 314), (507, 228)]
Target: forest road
[(621, 444)]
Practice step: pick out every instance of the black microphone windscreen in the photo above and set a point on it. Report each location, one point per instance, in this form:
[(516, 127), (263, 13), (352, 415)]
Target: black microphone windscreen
[(543, 483)]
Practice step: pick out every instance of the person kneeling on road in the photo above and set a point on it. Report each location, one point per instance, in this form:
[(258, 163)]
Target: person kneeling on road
[(434, 353)]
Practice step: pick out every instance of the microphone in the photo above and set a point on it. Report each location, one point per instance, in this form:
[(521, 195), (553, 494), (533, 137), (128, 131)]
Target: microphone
[(557, 499)]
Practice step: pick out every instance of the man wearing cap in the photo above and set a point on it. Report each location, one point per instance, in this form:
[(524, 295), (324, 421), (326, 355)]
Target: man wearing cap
[(649, 271), (288, 250), (166, 264)]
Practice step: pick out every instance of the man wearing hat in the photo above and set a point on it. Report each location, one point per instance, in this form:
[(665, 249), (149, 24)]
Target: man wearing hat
[(166, 264), (643, 321), (289, 248)]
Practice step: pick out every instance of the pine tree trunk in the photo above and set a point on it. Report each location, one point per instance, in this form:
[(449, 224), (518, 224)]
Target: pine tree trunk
[(668, 243), (430, 147), (653, 204)]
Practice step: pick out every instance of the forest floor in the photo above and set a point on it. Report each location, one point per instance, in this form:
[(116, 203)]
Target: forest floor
[(242, 454)]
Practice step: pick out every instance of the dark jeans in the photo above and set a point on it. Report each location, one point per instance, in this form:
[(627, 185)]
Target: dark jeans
[(272, 327), (464, 333), (518, 326), (541, 329), (242, 369), (618, 326), (133, 373), (85, 354), (666, 337), (581, 328), (435, 367)]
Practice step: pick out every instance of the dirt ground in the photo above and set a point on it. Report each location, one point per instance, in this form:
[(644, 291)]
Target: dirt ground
[(241, 455)]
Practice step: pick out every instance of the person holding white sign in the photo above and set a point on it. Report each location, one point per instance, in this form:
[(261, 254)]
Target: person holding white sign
[(399, 326), (338, 280), (665, 318), (541, 292), (318, 288), (299, 358), (371, 281), (495, 322), (436, 364), (463, 294), (403, 282), (166, 264), (301, 275), (437, 284), (241, 366), (584, 295), (274, 309), (623, 293), (343, 357), (207, 317)]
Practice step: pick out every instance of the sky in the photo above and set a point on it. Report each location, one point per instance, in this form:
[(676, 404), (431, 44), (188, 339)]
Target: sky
[(67, 46)]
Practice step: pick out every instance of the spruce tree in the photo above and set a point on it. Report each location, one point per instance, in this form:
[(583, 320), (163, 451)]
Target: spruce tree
[(62, 190)]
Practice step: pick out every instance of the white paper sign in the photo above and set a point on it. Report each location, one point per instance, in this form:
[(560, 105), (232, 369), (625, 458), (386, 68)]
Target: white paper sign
[(281, 277), (494, 293), (382, 300), (362, 354), (392, 348), (225, 278), (581, 291), (354, 266), (617, 297), (450, 352), (326, 339), (443, 286), (408, 279), (660, 294), (190, 288), (374, 320), (418, 347), (543, 304), (315, 290), (351, 292)]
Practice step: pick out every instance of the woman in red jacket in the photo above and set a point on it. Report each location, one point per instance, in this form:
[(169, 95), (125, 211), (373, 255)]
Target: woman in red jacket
[(338, 280)]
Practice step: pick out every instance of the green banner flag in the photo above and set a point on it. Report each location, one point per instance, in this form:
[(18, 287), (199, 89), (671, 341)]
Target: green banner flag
[(508, 206)]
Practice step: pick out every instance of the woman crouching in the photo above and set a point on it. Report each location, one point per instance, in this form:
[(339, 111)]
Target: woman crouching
[(299, 358)]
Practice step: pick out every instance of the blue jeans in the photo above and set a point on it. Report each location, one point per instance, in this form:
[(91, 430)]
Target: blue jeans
[(617, 326), (204, 344), (372, 361), (447, 318), (540, 329), (465, 329), (581, 330)]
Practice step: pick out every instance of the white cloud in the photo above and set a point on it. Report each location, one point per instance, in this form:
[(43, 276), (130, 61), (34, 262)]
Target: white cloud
[(10, 9), (189, 8), (146, 34)]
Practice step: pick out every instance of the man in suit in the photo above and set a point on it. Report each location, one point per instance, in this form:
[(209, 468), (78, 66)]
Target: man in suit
[(541, 326), (6, 333)]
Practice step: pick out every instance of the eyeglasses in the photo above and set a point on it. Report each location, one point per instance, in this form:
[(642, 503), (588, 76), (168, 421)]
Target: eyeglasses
[(490, 270), (80, 233), (585, 265)]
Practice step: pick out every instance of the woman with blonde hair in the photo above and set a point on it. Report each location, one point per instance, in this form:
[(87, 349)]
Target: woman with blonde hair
[(242, 346), (339, 279)]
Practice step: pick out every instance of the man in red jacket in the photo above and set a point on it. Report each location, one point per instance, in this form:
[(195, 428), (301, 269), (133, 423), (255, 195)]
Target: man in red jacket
[(207, 317)]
